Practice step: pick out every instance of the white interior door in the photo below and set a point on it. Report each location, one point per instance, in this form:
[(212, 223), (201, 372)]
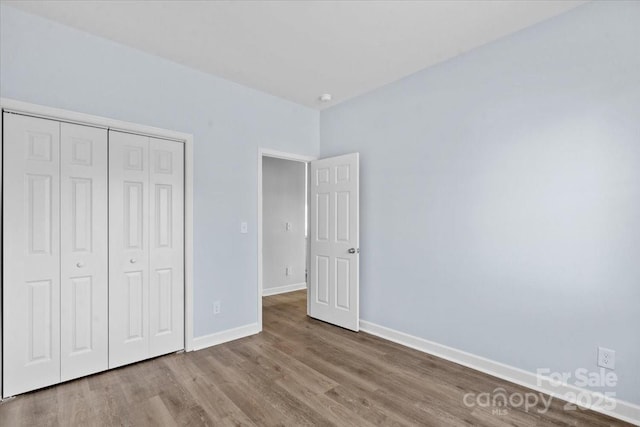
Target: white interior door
[(31, 254), (128, 248), (333, 294), (84, 264), (166, 242)]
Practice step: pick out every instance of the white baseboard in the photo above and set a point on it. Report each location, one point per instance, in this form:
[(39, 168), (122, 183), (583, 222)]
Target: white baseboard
[(282, 289), (625, 411), (225, 336)]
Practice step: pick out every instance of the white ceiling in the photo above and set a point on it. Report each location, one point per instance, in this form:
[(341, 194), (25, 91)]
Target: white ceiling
[(298, 50)]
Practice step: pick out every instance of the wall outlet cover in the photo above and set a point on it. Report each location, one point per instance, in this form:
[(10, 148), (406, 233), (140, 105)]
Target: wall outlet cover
[(606, 358)]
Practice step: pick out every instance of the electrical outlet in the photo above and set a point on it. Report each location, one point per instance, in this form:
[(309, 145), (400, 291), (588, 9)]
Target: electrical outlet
[(244, 228), (216, 307), (606, 358), (287, 226), (288, 271)]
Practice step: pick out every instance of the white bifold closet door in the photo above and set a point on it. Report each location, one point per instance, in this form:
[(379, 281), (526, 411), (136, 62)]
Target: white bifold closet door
[(55, 252), (31, 254), (84, 290), (146, 247)]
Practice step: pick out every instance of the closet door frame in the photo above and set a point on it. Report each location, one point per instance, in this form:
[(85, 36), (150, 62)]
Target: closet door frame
[(28, 109)]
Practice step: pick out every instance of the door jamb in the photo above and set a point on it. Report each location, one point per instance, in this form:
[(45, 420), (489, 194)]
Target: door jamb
[(20, 107), (265, 152)]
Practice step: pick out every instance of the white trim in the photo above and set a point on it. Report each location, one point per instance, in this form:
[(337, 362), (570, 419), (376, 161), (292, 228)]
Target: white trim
[(264, 152), (42, 111), (225, 336), (625, 411), (188, 242), (283, 289), (20, 107), (1, 242)]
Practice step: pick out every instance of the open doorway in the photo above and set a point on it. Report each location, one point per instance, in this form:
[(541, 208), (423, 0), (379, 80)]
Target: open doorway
[(283, 226), (332, 236)]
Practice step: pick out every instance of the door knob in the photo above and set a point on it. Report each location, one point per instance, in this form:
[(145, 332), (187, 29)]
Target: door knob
[(79, 265), (354, 251), (132, 260)]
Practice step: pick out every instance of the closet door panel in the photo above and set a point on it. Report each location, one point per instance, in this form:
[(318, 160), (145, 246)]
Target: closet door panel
[(128, 248), (31, 255), (84, 257), (166, 286)]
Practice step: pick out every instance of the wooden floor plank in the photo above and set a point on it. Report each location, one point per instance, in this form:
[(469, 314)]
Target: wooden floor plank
[(298, 371)]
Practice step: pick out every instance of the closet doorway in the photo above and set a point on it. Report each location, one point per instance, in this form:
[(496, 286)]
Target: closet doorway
[(63, 324)]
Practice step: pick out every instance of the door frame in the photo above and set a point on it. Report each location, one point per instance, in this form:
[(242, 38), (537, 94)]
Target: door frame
[(34, 110), (265, 152)]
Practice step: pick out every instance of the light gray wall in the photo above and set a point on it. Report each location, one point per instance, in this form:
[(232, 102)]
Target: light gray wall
[(46, 63), (283, 200), (500, 196)]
